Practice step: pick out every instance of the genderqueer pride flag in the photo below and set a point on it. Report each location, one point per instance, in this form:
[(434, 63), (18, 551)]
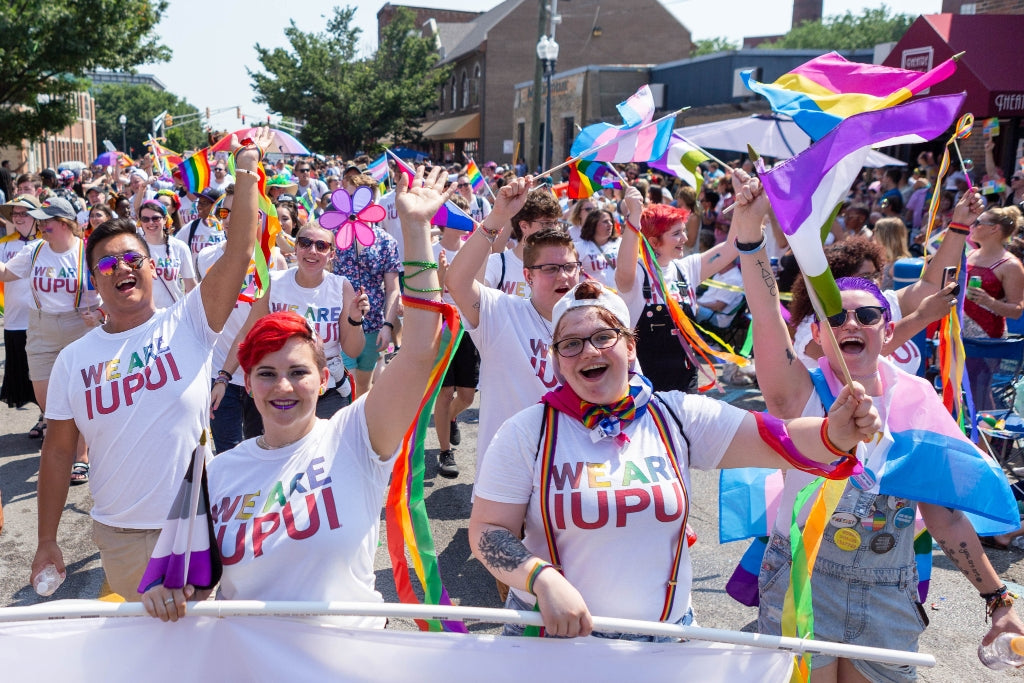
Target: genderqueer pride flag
[(806, 190), (638, 139), (828, 89), (195, 172), (682, 159), (587, 177)]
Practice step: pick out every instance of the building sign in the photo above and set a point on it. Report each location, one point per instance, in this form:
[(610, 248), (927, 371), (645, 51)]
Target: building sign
[(1007, 103), (918, 59)]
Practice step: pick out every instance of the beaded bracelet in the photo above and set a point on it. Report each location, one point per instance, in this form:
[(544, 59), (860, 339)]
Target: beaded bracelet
[(535, 572), (221, 380), (224, 373), (355, 323), (960, 228), (246, 171), (1001, 597), (489, 235), (750, 247), (424, 266)]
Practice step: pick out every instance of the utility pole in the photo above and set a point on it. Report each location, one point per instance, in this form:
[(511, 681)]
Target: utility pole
[(533, 158)]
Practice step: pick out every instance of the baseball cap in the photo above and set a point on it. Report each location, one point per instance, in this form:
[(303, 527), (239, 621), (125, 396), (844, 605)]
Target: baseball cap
[(606, 299), (54, 207), (211, 194)]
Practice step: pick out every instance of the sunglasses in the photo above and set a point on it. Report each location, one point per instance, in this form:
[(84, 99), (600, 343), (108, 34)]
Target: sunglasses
[(321, 246), (218, 170), (866, 316), (222, 212), (302, 170), (463, 184), (152, 218), (107, 265)]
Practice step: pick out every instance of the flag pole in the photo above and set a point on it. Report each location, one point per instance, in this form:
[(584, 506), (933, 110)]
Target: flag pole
[(710, 155), (602, 146), (825, 330)]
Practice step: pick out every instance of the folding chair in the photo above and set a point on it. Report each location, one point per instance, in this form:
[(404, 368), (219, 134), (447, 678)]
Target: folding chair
[(1002, 440)]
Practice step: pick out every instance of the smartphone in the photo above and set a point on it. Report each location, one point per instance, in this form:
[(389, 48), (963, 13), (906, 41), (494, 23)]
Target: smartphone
[(949, 275)]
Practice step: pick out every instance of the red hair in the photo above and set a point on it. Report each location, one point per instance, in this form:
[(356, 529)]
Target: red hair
[(657, 219), (271, 332)]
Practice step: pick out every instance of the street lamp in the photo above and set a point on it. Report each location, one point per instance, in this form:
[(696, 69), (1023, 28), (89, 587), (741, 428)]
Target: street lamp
[(123, 120), (547, 52)]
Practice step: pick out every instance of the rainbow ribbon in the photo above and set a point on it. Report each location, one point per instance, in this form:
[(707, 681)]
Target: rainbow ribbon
[(405, 513), (270, 226), (686, 327)]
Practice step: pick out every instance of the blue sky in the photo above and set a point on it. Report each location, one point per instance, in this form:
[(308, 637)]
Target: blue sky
[(213, 41)]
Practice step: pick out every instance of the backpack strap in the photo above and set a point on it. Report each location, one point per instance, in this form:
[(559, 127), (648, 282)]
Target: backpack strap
[(501, 280), (192, 227)]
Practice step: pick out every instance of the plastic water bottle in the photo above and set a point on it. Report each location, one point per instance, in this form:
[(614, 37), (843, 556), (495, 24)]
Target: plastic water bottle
[(49, 580), (1005, 652)]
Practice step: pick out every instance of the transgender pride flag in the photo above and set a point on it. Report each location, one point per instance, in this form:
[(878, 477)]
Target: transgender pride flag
[(824, 91), (639, 139), (449, 215)]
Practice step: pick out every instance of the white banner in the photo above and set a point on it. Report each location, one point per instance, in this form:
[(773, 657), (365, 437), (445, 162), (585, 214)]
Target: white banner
[(278, 648)]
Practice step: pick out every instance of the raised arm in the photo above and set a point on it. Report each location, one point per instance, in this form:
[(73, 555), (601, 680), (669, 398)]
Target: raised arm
[(784, 381), (461, 276), (220, 286), (629, 249)]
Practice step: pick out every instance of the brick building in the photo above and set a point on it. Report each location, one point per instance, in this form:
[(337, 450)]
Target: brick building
[(77, 142)]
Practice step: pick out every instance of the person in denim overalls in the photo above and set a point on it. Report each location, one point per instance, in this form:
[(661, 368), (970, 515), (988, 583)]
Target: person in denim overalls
[(864, 581)]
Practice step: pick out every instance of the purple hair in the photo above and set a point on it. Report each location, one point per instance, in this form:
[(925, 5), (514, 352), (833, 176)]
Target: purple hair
[(860, 284)]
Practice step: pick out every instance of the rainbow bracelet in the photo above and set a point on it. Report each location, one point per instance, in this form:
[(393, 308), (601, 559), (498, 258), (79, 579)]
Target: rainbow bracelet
[(535, 572)]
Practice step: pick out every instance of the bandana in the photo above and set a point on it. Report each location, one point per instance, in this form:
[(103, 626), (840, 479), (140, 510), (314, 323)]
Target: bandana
[(606, 421)]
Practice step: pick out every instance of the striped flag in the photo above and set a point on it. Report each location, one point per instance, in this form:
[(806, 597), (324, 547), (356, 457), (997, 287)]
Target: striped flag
[(449, 215), (683, 159), (824, 91), (806, 190), (195, 172), (638, 139), (587, 177), (378, 168), (476, 179)]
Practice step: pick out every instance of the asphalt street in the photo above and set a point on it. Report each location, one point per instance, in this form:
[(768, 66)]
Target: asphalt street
[(955, 611)]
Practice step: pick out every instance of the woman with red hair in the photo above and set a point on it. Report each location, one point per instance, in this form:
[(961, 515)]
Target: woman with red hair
[(308, 492), (663, 354)]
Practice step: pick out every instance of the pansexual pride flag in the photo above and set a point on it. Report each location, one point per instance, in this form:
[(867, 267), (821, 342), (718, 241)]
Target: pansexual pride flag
[(449, 215), (806, 190), (195, 172), (824, 91), (587, 177), (476, 179), (638, 139)]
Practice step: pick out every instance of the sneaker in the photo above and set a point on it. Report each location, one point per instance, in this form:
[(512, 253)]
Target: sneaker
[(454, 435), (446, 466)]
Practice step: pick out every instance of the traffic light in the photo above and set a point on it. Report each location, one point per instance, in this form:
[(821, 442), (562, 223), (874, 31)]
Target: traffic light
[(238, 112), (243, 119), (207, 112), (168, 121)]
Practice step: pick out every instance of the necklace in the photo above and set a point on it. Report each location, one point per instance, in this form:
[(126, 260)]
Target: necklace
[(262, 443)]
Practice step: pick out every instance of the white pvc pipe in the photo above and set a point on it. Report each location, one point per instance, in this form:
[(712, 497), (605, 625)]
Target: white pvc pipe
[(84, 609)]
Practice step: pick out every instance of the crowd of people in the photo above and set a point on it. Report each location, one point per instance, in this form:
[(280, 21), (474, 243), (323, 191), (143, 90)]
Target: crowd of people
[(128, 312)]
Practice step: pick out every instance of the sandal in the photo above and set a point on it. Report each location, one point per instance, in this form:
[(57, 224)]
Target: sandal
[(38, 431), (79, 473)]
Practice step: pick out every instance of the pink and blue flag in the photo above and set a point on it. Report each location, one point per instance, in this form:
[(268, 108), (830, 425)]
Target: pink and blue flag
[(824, 91), (378, 168), (449, 215), (638, 139), (805, 190)]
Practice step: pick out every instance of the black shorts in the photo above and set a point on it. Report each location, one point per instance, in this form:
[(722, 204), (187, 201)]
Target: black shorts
[(465, 368)]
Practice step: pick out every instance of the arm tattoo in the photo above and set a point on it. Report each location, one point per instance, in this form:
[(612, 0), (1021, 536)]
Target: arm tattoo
[(714, 258), (963, 560), (768, 277), (790, 356), (501, 550)]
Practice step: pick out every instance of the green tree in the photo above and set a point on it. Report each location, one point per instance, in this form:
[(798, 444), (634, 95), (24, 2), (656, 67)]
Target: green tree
[(349, 103), (140, 104), (46, 48), (709, 46), (846, 31)]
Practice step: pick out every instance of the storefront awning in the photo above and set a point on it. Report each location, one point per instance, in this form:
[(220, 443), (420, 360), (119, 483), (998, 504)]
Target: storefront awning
[(455, 128), (989, 71)]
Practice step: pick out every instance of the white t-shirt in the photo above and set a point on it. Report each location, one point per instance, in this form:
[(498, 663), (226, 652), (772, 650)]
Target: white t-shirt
[(173, 262), (17, 293), (139, 398), (449, 254), (479, 208), (688, 266), (54, 277), (391, 225), (515, 368), (514, 282), (315, 189), (599, 262), (323, 307), (207, 232), (617, 512), (301, 522), (228, 180)]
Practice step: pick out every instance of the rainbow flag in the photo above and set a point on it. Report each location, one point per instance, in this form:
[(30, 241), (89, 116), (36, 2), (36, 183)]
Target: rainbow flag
[(195, 172), (824, 91), (638, 139), (476, 179), (449, 215), (587, 177), (806, 190), (683, 159)]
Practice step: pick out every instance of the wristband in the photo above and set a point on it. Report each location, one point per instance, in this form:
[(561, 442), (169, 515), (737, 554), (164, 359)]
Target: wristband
[(246, 171), (750, 247), (1001, 597), (832, 448), (224, 373), (356, 323), (221, 380), (386, 324), (535, 572), (489, 235), (960, 228)]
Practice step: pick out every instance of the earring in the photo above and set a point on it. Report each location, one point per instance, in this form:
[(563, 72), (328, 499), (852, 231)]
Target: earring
[(322, 390), (250, 393)]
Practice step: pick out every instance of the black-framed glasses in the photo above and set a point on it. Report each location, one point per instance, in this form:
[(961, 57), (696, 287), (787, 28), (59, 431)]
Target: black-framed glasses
[(152, 218), (322, 246), (222, 212), (19, 214), (108, 264), (569, 268), (302, 170), (601, 339), (868, 316)]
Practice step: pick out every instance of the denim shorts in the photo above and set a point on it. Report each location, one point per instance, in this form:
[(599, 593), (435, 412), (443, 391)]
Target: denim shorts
[(870, 606), (515, 602)]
